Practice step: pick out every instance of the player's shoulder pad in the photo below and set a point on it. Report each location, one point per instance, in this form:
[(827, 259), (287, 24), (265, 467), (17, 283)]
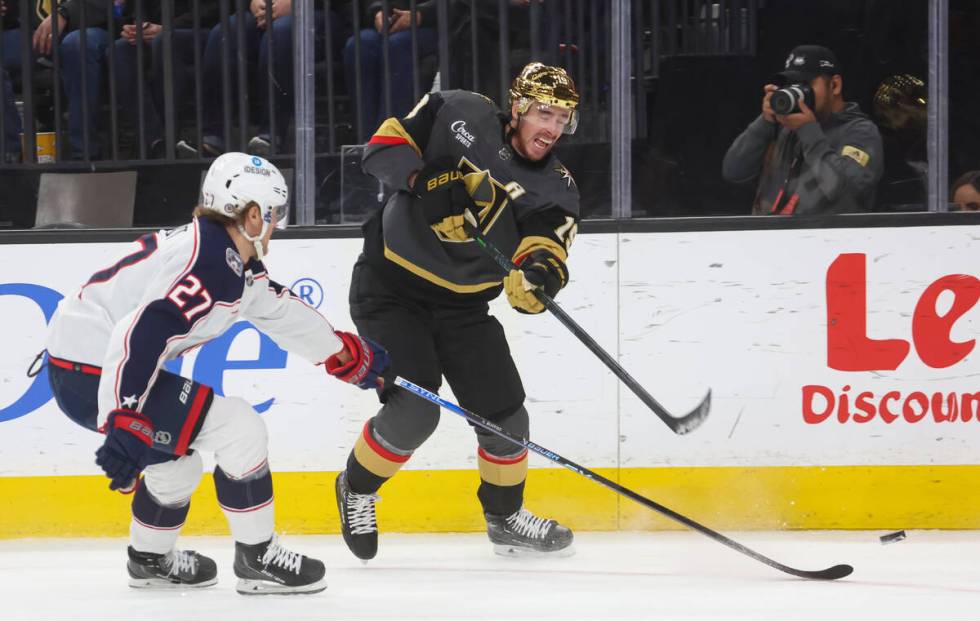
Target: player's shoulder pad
[(470, 101), (219, 266)]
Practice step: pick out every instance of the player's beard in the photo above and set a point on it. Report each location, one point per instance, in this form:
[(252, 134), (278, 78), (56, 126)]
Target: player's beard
[(531, 149)]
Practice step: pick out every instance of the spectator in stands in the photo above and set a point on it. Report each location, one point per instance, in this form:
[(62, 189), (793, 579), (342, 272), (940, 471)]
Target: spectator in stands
[(213, 113), (260, 30), (125, 59), (11, 121), (824, 158), (79, 65), (966, 192), (372, 100), (279, 34)]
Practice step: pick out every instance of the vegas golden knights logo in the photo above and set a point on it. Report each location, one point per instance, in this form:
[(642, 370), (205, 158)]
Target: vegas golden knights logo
[(490, 195)]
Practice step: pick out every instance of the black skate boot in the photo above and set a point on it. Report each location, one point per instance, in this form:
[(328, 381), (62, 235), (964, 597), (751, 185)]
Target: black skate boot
[(358, 522), (266, 568), (524, 534), (176, 569)]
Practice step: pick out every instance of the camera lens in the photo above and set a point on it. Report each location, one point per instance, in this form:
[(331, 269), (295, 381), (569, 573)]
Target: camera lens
[(784, 100)]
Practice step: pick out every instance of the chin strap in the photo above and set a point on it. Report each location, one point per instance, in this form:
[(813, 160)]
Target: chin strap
[(256, 240)]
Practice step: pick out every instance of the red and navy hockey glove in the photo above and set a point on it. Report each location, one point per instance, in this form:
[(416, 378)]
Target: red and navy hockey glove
[(124, 454), (368, 361)]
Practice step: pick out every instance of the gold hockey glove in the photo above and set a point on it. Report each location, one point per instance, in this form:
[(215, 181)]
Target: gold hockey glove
[(540, 270)]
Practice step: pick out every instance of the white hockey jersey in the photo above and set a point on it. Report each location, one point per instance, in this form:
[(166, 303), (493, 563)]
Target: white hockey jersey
[(174, 291)]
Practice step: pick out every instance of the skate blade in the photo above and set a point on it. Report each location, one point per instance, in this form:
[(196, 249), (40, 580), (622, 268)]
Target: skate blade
[(512, 551), (159, 584), (264, 587)]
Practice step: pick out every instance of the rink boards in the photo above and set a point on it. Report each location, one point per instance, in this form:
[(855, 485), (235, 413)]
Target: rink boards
[(841, 362)]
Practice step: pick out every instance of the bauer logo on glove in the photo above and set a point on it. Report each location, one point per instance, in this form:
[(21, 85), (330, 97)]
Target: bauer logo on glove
[(124, 453), (444, 177), (445, 200)]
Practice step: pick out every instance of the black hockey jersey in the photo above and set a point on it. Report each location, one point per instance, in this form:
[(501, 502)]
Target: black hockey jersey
[(534, 204)]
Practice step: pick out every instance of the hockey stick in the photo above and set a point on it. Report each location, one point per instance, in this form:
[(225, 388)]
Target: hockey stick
[(679, 425), (831, 573)]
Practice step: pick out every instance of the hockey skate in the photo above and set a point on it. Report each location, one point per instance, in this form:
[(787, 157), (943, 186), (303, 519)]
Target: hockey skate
[(176, 569), (268, 568), (358, 522), (524, 534)]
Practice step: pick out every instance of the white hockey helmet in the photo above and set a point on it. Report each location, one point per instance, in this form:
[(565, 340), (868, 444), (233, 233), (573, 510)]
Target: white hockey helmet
[(235, 180)]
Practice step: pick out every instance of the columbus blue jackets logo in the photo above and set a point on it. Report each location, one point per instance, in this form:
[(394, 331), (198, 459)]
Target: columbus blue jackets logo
[(234, 261)]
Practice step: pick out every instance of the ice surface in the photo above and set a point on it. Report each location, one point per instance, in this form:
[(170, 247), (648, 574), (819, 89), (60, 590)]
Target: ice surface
[(676, 575)]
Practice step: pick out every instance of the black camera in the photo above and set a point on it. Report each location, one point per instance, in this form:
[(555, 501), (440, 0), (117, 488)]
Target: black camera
[(787, 99)]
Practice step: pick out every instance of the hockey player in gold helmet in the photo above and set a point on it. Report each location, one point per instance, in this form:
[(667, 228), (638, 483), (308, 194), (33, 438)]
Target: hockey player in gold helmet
[(422, 281), (543, 106)]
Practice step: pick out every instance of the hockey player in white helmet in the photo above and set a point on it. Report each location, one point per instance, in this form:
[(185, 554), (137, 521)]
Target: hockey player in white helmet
[(170, 292)]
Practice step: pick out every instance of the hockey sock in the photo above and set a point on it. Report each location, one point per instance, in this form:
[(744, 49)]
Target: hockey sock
[(155, 526), (372, 462), (501, 482), (247, 503)]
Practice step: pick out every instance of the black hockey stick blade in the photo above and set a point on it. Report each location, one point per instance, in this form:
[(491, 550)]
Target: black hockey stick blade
[(693, 419), (679, 425), (831, 573)]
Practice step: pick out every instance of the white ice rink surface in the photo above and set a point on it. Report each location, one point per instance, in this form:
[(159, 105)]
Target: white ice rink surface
[(930, 575)]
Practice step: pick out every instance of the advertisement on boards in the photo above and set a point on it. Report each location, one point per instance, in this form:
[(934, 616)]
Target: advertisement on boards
[(831, 347)]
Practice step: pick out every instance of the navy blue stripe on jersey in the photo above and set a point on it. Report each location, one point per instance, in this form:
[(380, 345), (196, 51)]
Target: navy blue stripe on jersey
[(148, 245), (279, 288), (209, 282), (258, 272)]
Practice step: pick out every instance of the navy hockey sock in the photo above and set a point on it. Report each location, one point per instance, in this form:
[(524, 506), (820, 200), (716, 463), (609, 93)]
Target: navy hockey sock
[(149, 512)]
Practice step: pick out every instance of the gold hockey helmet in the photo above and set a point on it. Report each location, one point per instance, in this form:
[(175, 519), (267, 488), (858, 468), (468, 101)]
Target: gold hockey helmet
[(900, 102), (550, 86)]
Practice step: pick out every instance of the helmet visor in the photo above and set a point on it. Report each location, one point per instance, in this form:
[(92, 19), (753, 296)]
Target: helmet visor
[(558, 119), (280, 215)]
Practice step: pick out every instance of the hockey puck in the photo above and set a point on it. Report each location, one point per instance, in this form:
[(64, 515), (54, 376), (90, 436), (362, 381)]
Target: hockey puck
[(898, 535)]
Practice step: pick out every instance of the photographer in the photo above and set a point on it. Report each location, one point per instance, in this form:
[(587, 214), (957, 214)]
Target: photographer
[(812, 151)]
